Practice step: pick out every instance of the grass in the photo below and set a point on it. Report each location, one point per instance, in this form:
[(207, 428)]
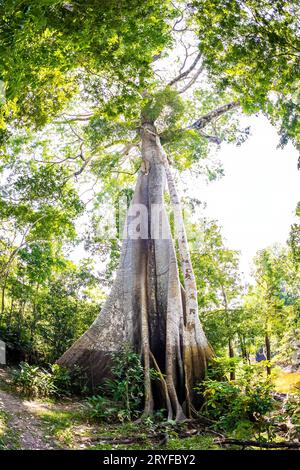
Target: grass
[(72, 429), (9, 438), (60, 424), (201, 442), (193, 443)]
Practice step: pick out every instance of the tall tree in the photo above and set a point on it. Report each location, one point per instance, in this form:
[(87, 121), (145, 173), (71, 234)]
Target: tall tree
[(217, 273), (269, 275), (141, 123)]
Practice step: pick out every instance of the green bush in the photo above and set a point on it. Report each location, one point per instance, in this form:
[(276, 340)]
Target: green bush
[(291, 414), (99, 407), (121, 397), (37, 382), (33, 381), (69, 381), (240, 406)]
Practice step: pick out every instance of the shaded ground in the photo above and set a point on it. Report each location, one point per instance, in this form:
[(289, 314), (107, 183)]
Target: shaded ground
[(42, 425), (20, 429), (38, 425)]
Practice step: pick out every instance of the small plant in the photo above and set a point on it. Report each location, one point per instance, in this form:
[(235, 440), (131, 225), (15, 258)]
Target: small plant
[(33, 381), (99, 407), (36, 382), (69, 381), (122, 395), (291, 412), (241, 406)]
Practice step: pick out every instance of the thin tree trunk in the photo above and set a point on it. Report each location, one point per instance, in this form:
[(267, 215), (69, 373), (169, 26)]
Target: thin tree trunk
[(245, 353), (34, 313), (3, 289), (268, 352), (231, 355), (9, 317), (230, 341), (2, 299)]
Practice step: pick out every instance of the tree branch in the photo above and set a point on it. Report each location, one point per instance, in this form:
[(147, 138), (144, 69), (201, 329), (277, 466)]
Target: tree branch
[(192, 81), (187, 72), (265, 445), (207, 118)]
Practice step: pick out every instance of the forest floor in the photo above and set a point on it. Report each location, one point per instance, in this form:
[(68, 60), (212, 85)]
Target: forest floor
[(64, 424), (36, 424)]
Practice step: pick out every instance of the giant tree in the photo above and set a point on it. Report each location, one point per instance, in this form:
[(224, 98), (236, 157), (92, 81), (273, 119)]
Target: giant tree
[(129, 117)]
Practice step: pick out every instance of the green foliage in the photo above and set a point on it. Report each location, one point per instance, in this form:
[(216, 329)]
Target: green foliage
[(291, 413), (239, 405), (167, 102), (252, 48), (46, 307), (122, 395), (69, 381), (219, 284), (294, 238), (98, 407), (201, 442), (36, 382), (50, 49)]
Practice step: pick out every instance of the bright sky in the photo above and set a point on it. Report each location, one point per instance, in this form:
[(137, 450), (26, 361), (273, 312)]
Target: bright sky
[(256, 199)]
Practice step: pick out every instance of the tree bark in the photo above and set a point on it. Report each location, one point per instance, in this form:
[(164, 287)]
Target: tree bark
[(231, 355), (196, 349), (268, 352), (3, 289), (147, 307), (3, 299), (245, 354)]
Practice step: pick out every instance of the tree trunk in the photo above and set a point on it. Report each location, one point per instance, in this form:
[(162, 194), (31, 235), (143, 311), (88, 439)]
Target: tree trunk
[(228, 326), (3, 289), (196, 349), (268, 352), (245, 354), (231, 355), (147, 307)]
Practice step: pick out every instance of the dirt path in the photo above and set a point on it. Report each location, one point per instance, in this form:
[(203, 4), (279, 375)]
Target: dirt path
[(24, 429), (23, 425)]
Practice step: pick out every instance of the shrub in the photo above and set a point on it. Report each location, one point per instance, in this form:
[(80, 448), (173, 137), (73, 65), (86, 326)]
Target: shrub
[(241, 406), (33, 381), (291, 413), (121, 397), (37, 382), (69, 381), (99, 407)]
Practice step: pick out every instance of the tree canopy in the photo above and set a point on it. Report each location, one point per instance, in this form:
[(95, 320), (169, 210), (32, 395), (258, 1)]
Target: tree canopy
[(253, 48)]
